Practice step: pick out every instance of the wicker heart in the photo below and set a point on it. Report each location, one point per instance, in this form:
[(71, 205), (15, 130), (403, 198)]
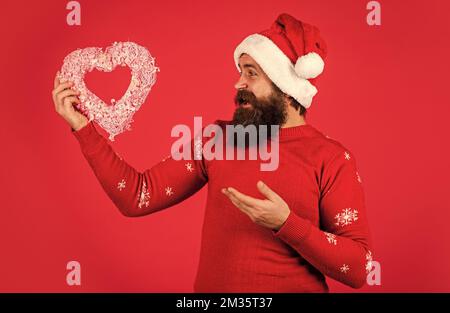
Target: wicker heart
[(117, 117)]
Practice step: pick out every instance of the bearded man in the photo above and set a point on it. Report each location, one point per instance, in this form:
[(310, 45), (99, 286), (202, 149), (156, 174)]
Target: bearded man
[(263, 231)]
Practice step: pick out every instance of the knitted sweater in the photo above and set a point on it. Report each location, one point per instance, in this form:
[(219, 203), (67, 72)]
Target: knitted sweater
[(325, 234)]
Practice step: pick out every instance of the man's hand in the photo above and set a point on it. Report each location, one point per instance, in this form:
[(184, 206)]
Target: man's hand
[(64, 98), (271, 212)]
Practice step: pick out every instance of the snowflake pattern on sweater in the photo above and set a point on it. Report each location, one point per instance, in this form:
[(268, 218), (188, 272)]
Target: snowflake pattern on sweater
[(346, 217)]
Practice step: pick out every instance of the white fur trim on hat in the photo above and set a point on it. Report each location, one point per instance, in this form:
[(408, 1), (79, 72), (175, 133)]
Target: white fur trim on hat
[(309, 65), (277, 67)]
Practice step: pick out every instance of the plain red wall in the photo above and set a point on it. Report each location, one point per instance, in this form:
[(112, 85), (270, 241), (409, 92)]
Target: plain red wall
[(384, 94)]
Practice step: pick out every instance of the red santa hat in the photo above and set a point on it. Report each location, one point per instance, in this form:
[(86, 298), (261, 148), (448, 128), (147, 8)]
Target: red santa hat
[(291, 53)]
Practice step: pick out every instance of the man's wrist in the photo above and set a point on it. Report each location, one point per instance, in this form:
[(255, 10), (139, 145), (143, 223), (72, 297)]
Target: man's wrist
[(79, 125)]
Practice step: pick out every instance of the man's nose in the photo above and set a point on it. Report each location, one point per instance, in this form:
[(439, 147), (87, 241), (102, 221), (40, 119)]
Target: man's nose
[(241, 83)]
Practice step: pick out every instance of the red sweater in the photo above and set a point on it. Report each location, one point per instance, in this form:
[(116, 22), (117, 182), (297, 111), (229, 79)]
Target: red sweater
[(326, 232)]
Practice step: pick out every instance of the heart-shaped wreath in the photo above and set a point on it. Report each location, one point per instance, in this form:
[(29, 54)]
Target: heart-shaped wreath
[(117, 117)]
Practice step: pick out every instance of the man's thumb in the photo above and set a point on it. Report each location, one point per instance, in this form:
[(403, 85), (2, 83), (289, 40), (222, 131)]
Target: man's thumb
[(266, 191)]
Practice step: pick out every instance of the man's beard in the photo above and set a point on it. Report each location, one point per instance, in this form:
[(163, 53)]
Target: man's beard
[(263, 112), (270, 111)]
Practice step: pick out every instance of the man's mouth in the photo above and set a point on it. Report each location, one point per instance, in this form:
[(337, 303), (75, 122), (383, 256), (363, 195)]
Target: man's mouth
[(244, 100), (244, 103)]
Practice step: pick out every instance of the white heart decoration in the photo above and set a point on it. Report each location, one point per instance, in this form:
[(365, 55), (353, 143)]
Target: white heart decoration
[(117, 117)]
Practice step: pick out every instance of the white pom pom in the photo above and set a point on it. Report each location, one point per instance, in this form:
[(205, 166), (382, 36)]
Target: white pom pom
[(309, 65)]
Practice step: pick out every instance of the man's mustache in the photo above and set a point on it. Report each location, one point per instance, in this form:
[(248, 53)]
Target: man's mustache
[(243, 96)]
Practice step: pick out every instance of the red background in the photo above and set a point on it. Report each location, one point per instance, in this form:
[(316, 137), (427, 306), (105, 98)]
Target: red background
[(384, 95)]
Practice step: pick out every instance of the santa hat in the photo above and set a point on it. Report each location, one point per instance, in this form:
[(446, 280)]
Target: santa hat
[(291, 53)]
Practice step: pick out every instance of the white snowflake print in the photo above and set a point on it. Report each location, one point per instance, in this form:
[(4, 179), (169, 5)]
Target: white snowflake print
[(189, 167), (144, 197), (121, 185), (169, 191), (347, 155), (347, 217), (358, 177), (331, 238), (345, 268), (369, 262)]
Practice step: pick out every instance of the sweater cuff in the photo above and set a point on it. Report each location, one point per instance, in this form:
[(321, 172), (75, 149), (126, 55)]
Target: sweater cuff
[(88, 137), (294, 229)]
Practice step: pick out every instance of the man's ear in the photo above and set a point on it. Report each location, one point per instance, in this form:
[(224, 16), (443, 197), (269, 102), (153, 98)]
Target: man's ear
[(287, 99), (289, 102)]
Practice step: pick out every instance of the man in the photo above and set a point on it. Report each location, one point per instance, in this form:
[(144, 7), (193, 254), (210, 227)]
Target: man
[(264, 231)]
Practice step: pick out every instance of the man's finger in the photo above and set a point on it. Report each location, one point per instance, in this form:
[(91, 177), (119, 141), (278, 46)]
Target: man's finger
[(236, 202), (70, 101), (61, 87), (267, 192), (67, 93), (246, 199), (56, 83)]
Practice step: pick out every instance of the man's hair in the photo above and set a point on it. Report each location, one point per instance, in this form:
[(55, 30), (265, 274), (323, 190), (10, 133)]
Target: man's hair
[(294, 103)]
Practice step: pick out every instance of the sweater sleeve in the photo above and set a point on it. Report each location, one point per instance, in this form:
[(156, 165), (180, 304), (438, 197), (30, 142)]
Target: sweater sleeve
[(340, 248), (140, 193)]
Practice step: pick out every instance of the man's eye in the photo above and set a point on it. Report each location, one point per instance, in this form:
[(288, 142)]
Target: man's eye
[(251, 73)]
